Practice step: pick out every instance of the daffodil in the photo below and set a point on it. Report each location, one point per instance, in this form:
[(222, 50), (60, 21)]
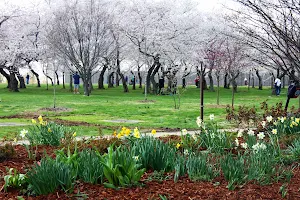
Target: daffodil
[(33, 121), (153, 131), (23, 133), (244, 145), (251, 132), (211, 116), (269, 119), (291, 125), (127, 132), (15, 139), (49, 130), (74, 134), (136, 158), (178, 145), (282, 119), (40, 118), (261, 135), (274, 131), (115, 133), (240, 133), (199, 122), (119, 135), (137, 135), (297, 120), (44, 123), (236, 142), (263, 124), (184, 131), (275, 123)]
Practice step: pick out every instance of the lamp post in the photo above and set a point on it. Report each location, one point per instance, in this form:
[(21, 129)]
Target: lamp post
[(201, 90)]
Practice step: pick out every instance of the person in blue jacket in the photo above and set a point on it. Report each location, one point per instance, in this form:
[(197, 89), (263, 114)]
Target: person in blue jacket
[(76, 78)]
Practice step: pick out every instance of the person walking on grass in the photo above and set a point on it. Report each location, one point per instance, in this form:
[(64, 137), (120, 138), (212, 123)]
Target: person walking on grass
[(277, 85), (76, 78)]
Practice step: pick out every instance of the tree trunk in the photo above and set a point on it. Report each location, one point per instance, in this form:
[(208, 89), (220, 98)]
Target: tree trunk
[(21, 81), (183, 82), (226, 81), (71, 83), (101, 77), (133, 84), (140, 78), (259, 79), (218, 89), (117, 80), (13, 86), (63, 78), (148, 81), (57, 78), (211, 81), (37, 77), (50, 79), (154, 83), (6, 75), (234, 85), (111, 80)]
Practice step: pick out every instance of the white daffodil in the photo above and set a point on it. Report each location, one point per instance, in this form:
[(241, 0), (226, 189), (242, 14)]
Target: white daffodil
[(256, 147), (136, 158), (282, 119), (240, 133), (263, 123), (184, 131), (274, 131), (23, 133), (199, 122), (244, 145), (236, 142), (262, 146), (186, 152), (211, 116), (251, 132), (269, 118), (261, 135)]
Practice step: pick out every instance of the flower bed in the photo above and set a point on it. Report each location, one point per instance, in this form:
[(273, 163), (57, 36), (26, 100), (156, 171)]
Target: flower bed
[(211, 164)]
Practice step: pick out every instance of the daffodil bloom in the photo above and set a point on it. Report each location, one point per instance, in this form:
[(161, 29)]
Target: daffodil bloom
[(269, 119), (40, 118), (33, 121), (44, 123), (49, 130), (124, 128), (282, 119), (199, 122), (136, 158), (74, 134), (236, 142), (274, 131), (263, 123), (297, 120), (251, 132), (153, 131), (178, 145), (119, 136), (184, 131), (261, 135), (211, 116), (262, 146), (137, 135), (275, 123), (15, 139), (186, 152), (23, 133), (291, 125), (244, 145), (115, 133), (127, 132), (240, 133)]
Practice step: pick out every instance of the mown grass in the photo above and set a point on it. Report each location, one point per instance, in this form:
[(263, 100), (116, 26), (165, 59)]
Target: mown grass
[(112, 104)]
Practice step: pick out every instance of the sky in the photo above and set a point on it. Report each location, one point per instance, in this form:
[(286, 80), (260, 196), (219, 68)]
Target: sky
[(204, 5)]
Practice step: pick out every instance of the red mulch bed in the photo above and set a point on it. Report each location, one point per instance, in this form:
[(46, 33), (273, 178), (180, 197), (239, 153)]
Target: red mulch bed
[(183, 189)]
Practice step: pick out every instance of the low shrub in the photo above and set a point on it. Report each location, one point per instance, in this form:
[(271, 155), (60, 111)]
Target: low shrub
[(6, 151)]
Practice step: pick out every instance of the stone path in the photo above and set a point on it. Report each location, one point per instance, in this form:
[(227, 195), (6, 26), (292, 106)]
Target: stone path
[(11, 124)]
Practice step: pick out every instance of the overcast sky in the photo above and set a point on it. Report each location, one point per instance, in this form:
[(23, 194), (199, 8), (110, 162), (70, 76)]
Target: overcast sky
[(204, 5)]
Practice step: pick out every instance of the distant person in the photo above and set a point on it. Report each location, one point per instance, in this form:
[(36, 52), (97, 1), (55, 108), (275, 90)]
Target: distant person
[(76, 78), (197, 81), (27, 79), (277, 85), (246, 81), (161, 84)]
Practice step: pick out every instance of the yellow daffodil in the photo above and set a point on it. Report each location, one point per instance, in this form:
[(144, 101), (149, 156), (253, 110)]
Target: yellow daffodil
[(15, 139), (49, 130), (124, 128), (127, 132), (153, 131), (33, 121), (40, 118), (74, 134), (297, 120), (119, 136), (274, 131), (137, 135), (115, 133), (44, 123), (178, 145), (291, 125)]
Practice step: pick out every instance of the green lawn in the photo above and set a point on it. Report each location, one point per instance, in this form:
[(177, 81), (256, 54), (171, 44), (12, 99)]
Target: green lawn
[(113, 104)]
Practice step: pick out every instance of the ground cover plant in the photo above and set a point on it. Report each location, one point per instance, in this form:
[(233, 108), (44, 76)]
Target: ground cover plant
[(210, 158)]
